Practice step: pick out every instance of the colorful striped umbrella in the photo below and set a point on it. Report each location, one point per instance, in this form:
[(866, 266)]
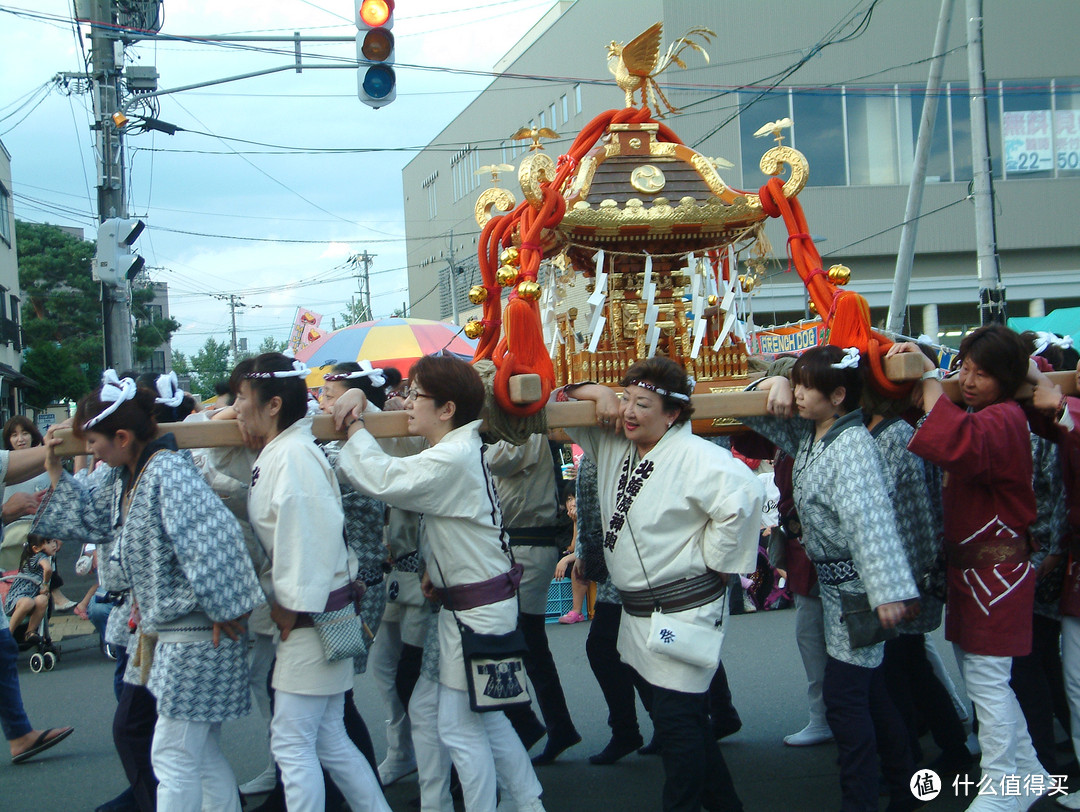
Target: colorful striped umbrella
[(385, 342)]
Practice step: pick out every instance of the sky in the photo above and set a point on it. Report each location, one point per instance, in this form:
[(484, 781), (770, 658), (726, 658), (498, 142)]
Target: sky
[(275, 222)]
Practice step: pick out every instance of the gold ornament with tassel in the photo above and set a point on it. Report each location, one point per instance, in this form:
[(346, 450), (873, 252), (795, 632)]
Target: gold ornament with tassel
[(474, 329)]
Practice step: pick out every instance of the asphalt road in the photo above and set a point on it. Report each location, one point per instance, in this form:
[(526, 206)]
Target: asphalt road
[(764, 670)]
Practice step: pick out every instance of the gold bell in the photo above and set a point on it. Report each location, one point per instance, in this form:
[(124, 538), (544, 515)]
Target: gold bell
[(478, 294), (506, 275), (529, 290), (813, 308), (713, 299), (746, 282), (474, 329), (839, 274), (509, 256)]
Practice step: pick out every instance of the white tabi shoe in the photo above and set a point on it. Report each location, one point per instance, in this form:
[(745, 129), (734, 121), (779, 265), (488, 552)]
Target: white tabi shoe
[(810, 735), (1070, 801), (263, 782), (392, 770)]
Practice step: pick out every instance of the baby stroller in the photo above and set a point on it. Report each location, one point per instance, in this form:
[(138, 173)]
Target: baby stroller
[(46, 653)]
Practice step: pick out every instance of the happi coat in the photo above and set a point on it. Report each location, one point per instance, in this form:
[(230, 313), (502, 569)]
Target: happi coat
[(690, 507), (294, 507), (846, 514), (462, 537), (987, 496), (182, 552), (917, 507)]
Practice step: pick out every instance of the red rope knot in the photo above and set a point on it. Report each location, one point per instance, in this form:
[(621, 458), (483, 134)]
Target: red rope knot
[(530, 246), (768, 204), (810, 276)]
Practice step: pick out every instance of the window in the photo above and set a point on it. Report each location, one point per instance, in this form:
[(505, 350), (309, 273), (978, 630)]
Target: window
[(818, 133), (543, 119), (5, 214), (770, 107), (873, 154), (565, 109), (939, 162), (153, 312), (433, 203), (1067, 127), (15, 308), (554, 122), (1027, 129)]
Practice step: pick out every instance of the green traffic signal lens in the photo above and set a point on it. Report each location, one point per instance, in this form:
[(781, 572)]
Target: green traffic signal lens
[(378, 45), (379, 81)]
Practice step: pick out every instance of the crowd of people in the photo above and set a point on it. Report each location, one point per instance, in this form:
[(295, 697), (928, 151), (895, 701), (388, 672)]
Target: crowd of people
[(274, 573)]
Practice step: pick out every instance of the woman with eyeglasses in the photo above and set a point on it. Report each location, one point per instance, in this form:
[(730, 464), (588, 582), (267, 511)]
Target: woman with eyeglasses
[(467, 554)]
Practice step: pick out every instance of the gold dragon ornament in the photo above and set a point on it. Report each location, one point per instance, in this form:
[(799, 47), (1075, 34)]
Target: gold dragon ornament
[(636, 64)]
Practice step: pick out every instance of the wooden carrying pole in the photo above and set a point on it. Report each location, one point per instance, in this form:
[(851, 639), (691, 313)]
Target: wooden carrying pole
[(219, 433)]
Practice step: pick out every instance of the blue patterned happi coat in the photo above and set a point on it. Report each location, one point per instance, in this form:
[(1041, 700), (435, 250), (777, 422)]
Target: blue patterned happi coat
[(181, 551)]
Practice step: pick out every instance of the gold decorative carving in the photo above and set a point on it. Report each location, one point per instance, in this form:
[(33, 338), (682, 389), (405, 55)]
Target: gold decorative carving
[(535, 169), (773, 161), (494, 198), (712, 216), (648, 179), (635, 143)]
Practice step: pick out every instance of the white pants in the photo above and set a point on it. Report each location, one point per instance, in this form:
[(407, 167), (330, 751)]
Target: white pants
[(1070, 661), (383, 663), (810, 637), (192, 772), (309, 731), (480, 743), (1003, 734), (944, 677), (432, 758), (261, 660)]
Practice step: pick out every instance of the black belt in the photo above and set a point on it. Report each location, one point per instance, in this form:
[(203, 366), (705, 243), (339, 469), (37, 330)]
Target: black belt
[(834, 573), (675, 596), (549, 536), (410, 562)]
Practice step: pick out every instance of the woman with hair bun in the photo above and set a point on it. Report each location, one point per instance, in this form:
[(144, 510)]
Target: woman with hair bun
[(182, 553), (678, 513), (295, 509), (849, 532)]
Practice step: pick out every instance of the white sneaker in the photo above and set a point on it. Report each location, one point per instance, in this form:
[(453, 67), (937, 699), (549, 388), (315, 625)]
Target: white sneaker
[(973, 745), (810, 735), (263, 782), (393, 769), (531, 806)]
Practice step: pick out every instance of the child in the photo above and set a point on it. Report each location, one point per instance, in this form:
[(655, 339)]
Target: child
[(578, 586), (29, 594)]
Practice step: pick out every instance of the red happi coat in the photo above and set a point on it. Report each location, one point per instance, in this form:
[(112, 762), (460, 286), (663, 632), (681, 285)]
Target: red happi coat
[(987, 497), (1069, 450)]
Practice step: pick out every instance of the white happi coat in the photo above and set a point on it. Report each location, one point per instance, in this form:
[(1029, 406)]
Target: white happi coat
[(696, 508), (449, 483), (181, 551), (294, 506)]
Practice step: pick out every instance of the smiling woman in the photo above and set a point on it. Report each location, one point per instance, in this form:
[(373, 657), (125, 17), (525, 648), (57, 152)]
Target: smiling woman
[(678, 512)]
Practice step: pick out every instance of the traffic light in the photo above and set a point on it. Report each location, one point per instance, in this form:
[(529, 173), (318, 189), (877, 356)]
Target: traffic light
[(115, 264), (376, 82)]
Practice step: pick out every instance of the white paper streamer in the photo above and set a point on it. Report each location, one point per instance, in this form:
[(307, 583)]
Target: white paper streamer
[(653, 338), (699, 334), (729, 320), (594, 341)]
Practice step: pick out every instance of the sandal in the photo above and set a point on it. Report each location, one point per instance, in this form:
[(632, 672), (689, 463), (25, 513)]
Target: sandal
[(43, 743), (80, 611)]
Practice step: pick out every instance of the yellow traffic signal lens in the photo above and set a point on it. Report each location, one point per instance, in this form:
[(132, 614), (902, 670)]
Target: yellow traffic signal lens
[(375, 12), (378, 44)]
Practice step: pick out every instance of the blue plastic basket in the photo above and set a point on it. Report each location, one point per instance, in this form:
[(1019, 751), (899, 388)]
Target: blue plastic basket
[(560, 599)]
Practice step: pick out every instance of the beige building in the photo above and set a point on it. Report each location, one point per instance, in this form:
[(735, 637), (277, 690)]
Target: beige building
[(855, 101), (11, 380)]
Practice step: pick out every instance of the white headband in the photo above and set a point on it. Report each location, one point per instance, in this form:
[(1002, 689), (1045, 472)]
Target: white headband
[(849, 361), (1046, 339), (114, 391), (299, 370), (168, 387), (366, 371)]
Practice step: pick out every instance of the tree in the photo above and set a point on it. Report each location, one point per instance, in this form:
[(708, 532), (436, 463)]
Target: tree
[(208, 366), (354, 313), (180, 363), (271, 344), (151, 330), (57, 375)]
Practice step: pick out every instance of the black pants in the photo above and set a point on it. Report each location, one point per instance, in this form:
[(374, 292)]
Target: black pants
[(615, 678), (865, 724), (133, 735), (721, 709), (408, 672), (1038, 683), (695, 774), (917, 693), (540, 666)]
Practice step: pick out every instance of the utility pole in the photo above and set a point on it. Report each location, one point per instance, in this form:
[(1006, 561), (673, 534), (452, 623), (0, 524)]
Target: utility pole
[(906, 253), (107, 64), (363, 284), (453, 281), (235, 303), (991, 292)]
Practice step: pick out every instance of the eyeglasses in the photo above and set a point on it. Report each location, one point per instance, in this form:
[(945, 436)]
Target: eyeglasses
[(412, 394)]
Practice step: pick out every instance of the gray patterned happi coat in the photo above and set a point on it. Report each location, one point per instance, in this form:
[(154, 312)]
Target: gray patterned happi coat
[(846, 513), (918, 518), (365, 520), (1051, 524), (590, 529), (181, 551)]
